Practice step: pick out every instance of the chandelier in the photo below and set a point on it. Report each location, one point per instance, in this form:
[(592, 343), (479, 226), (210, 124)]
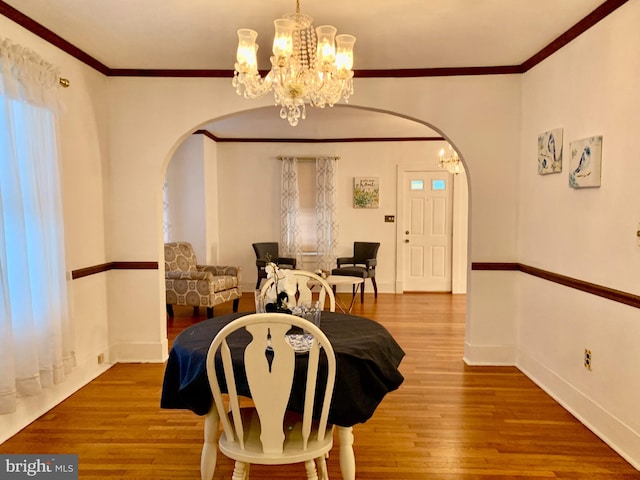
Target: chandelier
[(451, 162), (307, 66)]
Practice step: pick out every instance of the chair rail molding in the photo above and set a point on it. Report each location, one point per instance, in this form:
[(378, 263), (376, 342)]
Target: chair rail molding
[(592, 288)]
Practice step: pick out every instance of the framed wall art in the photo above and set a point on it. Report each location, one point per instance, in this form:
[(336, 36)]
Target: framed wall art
[(586, 162), (550, 152), (366, 192)]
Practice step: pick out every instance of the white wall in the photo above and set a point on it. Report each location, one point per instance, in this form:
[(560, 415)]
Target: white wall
[(250, 204), (588, 88), (479, 115), (186, 195), (212, 202)]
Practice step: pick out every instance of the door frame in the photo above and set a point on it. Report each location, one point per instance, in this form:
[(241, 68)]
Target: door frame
[(460, 221)]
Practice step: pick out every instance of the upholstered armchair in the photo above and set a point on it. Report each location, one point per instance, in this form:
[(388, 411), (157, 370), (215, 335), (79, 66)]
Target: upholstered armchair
[(188, 283), (268, 252)]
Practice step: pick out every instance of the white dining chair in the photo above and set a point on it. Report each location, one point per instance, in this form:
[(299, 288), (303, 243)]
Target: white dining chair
[(304, 283), (267, 433)]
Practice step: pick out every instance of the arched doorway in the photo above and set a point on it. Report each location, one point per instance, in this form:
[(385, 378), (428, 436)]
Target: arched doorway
[(256, 137)]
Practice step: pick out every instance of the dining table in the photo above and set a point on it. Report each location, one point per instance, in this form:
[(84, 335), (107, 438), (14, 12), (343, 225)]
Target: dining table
[(367, 359)]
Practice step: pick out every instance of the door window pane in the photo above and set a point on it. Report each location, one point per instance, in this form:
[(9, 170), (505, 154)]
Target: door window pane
[(438, 184)]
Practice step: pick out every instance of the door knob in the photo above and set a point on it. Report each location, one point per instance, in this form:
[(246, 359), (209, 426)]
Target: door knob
[(407, 232), (406, 241)]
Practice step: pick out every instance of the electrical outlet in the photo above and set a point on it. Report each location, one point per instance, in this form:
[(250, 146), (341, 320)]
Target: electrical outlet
[(587, 359), (101, 358)]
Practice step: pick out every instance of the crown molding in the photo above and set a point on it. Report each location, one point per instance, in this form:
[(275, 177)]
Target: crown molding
[(579, 28), (54, 39), (218, 139)]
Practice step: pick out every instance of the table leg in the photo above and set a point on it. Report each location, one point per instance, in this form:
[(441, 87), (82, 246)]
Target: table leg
[(347, 457), (342, 305), (209, 449), (355, 293)]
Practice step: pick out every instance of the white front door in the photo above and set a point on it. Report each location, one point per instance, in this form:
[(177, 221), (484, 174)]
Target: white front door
[(427, 230)]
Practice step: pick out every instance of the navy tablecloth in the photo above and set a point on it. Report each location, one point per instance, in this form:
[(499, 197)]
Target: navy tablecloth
[(367, 358)]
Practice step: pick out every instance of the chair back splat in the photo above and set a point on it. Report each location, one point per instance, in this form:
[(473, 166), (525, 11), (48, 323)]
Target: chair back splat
[(253, 352), (302, 287)]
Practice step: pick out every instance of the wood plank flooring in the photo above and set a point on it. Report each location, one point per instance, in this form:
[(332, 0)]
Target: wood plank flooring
[(447, 421)]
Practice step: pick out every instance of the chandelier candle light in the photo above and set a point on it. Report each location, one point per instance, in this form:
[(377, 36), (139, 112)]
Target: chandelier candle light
[(451, 162), (307, 66)]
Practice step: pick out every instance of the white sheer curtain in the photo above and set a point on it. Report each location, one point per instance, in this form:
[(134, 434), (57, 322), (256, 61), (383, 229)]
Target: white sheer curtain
[(326, 211), (290, 210), (35, 329)]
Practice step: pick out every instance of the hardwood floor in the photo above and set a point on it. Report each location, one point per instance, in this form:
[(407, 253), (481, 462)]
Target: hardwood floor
[(447, 421)]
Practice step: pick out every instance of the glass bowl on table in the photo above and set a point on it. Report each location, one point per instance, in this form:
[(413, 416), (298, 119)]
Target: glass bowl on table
[(301, 342)]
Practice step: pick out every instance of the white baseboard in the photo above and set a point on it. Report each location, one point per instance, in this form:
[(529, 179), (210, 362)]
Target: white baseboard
[(140, 352), (612, 431), (490, 355)]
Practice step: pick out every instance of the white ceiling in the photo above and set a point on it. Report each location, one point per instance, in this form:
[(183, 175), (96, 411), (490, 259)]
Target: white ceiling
[(201, 34), (398, 34)]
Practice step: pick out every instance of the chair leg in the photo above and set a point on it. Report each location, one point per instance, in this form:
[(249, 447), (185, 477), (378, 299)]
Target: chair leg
[(362, 292), (310, 466), (321, 462), (196, 311), (209, 312), (170, 310), (236, 302), (375, 287), (240, 471), (261, 274)]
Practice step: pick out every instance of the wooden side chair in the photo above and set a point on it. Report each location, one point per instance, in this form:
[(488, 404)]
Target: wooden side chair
[(267, 433), (303, 286), (362, 264), (268, 252)]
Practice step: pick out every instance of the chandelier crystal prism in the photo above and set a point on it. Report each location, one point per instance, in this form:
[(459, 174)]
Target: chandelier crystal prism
[(307, 66), (451, 162)]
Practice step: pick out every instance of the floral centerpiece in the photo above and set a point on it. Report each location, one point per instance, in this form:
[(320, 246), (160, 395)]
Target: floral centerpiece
[(281, 290)]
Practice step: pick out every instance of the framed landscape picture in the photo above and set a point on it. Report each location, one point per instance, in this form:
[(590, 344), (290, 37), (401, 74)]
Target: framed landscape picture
[(586, 162), (550, 152), (366, 192)]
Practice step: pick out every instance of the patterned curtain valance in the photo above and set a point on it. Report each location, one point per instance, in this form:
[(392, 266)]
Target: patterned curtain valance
[(24, 75)]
